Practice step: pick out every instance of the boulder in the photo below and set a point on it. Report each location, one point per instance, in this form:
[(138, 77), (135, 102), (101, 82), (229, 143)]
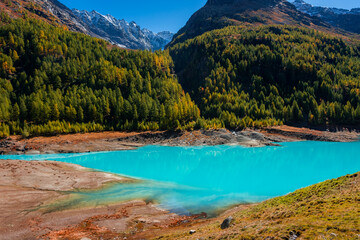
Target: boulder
[(227, 137), (257, 136), (226, 223)]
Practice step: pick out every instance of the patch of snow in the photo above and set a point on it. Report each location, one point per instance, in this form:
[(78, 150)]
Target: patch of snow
[(123, 33)]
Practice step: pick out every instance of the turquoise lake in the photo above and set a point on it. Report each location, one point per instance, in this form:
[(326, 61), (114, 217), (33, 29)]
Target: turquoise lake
[(210, 178)]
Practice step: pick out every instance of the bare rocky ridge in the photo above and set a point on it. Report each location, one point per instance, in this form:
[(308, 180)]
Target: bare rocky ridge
[(122, 33), (64, 14)]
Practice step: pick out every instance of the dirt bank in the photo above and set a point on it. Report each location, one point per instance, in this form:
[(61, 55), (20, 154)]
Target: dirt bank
[(112, 141), (286, 133), (26, 186)]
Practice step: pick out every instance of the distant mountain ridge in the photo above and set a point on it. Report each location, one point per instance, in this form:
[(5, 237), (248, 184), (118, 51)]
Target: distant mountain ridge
[(322, 11), (348, 20), (121, 32), (117, 32)]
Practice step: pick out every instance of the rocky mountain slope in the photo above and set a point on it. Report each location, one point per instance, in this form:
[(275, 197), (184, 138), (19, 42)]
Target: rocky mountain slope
[(341, 18), (121, 32), (117, 32), (217, 14), (64, 14)]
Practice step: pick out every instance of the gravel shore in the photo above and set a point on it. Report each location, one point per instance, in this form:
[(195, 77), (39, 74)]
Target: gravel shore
[(114, 141)]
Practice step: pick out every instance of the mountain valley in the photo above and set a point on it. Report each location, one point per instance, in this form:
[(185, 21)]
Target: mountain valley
[(251, 81)]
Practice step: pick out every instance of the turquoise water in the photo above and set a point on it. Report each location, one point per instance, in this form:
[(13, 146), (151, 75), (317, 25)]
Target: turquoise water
[(206, 179)]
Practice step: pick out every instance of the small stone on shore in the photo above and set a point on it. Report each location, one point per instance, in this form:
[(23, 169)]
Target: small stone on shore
[(32, 152), (226, 223)]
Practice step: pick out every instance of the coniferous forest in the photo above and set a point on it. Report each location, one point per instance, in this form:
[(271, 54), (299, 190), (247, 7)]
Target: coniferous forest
[(54, 81), (269, 75)]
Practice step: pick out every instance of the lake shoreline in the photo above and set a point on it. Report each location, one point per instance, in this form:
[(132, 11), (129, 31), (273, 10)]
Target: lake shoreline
[(115, 141), (29, 187), (24, 195)]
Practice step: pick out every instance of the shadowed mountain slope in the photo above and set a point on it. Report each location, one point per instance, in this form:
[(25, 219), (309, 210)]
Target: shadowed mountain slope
[(348, 20), (217, 14)]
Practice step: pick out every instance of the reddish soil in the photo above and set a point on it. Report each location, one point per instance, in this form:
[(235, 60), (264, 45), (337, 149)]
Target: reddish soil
[(28, 187), (114, 141), (295, 133), (67, 143)]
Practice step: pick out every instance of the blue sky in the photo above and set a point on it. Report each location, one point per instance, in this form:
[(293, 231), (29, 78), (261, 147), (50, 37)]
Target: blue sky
[(159, 15), (348, 4), (156, 15)]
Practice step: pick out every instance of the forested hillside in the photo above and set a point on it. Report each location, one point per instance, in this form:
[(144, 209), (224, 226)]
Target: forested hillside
[(266, 75), (56, 81)]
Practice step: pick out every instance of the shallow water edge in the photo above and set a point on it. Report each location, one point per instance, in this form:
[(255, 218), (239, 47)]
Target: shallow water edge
[(189, 180)]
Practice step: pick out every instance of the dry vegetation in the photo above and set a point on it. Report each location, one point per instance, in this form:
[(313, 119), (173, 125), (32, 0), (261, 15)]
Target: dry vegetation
[(329, 210)]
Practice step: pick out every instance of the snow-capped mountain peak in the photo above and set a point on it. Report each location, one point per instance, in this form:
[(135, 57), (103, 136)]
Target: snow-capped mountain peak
[(167, 35), (121, 32), (348, 20), (321, 11)]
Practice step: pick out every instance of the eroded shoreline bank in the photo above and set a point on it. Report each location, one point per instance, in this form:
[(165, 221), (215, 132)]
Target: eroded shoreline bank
[(26, 187), (114, 141)]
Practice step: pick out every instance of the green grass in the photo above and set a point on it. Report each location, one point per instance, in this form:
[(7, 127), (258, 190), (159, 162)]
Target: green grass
[(328, 210)]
